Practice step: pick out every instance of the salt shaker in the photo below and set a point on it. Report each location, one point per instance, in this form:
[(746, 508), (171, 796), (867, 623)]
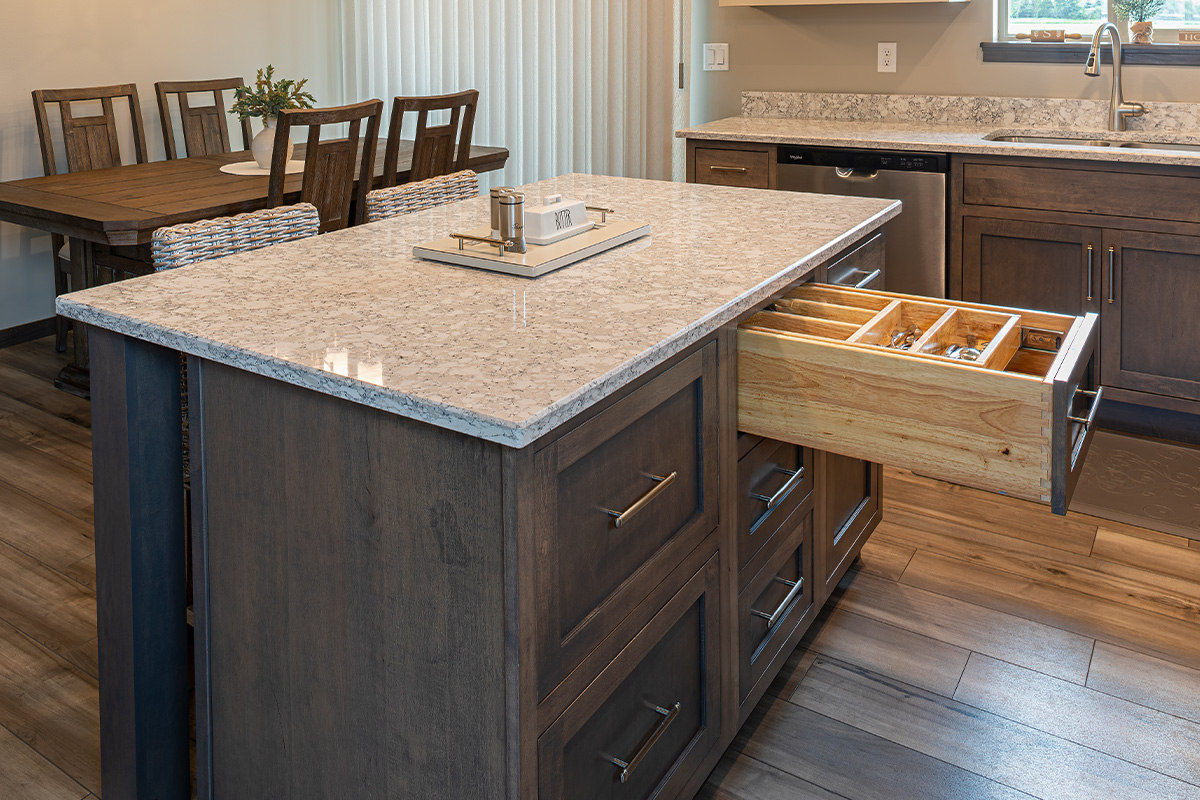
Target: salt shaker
[(497, 193), (512, 220)]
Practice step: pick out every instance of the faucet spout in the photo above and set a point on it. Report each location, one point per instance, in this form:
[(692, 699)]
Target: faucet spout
[(1118, 109)]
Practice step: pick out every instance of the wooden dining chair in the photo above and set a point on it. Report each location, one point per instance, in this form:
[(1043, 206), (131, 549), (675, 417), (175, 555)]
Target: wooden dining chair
[(90, 141), (329, 166), (418, 195), (205, 128), (437, 149)]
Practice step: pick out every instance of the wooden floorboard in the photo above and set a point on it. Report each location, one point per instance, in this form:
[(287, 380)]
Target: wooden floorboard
[(981, 647)]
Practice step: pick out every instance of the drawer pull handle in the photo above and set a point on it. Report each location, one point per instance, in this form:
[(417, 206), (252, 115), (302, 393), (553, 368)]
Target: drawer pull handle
[(1111, 271), (794, 477), (797, 588), (867, 281), (668, 716), (1090, 420), (660, 485), (1091, 265), (719, 168)]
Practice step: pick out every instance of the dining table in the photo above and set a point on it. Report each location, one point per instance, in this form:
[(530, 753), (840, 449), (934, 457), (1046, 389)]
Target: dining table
[(117, 210)]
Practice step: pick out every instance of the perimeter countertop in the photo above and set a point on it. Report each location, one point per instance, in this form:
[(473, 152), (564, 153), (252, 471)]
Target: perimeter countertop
[(354, 315), (928, 137)]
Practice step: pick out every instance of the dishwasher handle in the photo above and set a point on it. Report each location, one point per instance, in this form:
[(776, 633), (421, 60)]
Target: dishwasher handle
[(852, 174)]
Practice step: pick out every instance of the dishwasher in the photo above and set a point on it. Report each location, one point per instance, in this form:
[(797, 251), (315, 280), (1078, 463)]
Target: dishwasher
[(916, 240)]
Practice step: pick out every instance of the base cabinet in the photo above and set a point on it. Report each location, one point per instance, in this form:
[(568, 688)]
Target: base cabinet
[(852, 510)]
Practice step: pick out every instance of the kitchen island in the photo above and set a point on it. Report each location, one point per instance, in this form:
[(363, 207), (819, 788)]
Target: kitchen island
[(455, 533)]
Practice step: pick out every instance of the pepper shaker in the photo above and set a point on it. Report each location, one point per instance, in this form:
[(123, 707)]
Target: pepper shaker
[(497, 193), (512, 220)]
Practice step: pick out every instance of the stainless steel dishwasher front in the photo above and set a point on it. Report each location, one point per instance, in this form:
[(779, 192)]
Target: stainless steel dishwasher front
[(916, 240)]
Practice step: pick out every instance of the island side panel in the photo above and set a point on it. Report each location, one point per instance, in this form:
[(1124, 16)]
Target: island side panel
[(137, 464), (355, 598)]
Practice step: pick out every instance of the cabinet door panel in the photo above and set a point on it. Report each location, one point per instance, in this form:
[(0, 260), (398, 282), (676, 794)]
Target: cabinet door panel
[(852, 510), (1150, 325), (1031, 265)]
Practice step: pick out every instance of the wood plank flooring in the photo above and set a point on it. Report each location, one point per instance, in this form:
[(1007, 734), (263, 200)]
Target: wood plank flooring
[(980, 649)]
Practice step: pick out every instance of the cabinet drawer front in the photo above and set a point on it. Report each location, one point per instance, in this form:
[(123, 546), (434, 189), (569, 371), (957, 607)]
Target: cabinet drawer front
[(629, 493), (1166, 197), (647, 722), (861, 268), (1012, 428), (747, 168), (773, 480), (778, 598), (852, 508)]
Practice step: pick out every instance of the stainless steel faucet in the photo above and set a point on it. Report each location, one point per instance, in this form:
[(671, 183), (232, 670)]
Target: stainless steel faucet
[(1118, 109)]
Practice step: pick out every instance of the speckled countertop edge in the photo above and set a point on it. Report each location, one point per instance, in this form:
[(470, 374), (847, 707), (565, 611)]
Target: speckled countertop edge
[(510, 432), (945, 139)]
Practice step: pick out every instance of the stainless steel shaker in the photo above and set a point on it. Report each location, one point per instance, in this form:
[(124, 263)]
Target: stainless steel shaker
[(497, 193), (512, 220)]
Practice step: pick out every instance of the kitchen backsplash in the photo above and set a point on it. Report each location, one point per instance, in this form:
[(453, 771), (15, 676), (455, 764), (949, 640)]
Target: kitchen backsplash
[(926, 109)]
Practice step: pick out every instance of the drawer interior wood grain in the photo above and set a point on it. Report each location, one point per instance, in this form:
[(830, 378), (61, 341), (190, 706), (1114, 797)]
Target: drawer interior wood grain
[(1012, 422), (627, 495), (749, 168), (1120, 194)]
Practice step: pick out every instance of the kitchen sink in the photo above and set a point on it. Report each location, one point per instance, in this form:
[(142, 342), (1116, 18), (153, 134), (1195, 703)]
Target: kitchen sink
[(1068, 140)]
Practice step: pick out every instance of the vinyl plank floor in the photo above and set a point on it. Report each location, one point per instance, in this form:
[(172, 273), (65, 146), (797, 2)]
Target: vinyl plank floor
[(57, 481), (36, 392), (1093, 617), (999, 749), (998, 634), (1152, 739), (27, 775), (890, 650), (885, 558), (854, 763), (43, 604), (45, 432), (50, 705), (740, 777), (38, 358), (1152, 555), (1146, 680), (41, 530)]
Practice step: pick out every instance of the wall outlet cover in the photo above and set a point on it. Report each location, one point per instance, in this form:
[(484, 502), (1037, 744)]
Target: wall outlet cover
[(887, 57)]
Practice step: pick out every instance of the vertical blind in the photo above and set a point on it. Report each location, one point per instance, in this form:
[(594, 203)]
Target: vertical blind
[(565, 85)]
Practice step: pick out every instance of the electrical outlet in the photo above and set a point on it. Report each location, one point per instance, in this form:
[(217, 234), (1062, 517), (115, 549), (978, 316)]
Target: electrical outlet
[(887, 56), (716, 57)]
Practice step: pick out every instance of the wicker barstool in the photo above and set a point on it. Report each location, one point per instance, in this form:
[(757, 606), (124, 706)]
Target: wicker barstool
[(180, 245), (409, 197)]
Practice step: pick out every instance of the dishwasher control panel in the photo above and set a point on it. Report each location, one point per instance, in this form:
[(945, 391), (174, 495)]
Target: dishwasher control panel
[(863, 160)]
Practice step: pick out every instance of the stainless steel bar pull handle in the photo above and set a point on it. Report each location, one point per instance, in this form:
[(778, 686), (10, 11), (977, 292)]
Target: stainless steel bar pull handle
[(668, 716), (794, 477), (1091, 267), (796, 586), (867, 281), (1090, 419), (1112, 272), (660, 485), (719, 168)]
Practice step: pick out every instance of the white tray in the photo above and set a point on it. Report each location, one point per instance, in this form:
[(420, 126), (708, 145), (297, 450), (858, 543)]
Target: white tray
[(539, 259)]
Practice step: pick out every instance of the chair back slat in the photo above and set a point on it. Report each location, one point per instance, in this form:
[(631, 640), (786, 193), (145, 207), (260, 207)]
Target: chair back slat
[(180, 245), (438, 149), (90, 141), (419, 195), (205, 128), (329, 166)]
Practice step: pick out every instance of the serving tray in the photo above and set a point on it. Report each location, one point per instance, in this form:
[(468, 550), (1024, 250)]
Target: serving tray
[(539, 259)]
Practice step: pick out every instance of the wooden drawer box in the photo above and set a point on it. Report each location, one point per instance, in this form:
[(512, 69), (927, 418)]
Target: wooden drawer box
[(1074, 189), (773, 480), (775, 602), (817, 371), (645, 725), (627, 494), (720, 167)]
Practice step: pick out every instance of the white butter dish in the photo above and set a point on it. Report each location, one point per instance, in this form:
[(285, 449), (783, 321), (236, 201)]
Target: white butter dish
[(555, 220)]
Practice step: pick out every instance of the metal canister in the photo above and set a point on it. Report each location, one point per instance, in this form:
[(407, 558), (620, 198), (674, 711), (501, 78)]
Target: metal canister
[(497, 193), (512, 220)]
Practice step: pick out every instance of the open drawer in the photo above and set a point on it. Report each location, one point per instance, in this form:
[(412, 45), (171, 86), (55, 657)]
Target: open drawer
[(998, 399)]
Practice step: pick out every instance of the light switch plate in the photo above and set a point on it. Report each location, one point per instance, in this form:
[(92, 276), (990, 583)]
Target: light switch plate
[(716, 57)]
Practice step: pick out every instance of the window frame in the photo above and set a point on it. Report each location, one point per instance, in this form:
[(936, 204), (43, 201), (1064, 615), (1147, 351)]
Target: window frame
[(1001, 34)]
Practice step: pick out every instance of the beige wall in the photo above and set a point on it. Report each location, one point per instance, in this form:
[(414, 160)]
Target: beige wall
[(833, 48), (60, 43)]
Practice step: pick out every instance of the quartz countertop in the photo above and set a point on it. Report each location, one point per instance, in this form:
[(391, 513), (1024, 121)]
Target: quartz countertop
[(954, 138), (355, 315)]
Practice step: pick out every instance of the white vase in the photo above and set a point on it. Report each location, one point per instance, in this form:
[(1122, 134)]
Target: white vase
[(262, 146)]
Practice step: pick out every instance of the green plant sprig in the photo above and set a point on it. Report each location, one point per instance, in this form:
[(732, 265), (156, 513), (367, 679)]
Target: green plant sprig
[(1138, 10), (266, 98)]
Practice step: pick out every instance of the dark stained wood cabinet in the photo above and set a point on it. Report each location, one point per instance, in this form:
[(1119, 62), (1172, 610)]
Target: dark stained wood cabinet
[(852, 510), (1150, 322), (1022, 264)]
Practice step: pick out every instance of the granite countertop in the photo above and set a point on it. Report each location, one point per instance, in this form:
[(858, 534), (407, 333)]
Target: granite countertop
[(955, 124), (353, 314)]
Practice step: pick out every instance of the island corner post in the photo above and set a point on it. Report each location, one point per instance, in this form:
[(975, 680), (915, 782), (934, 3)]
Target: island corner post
[(137, 465)]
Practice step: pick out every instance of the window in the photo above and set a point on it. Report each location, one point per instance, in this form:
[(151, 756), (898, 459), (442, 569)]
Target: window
[(1082, 17)]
